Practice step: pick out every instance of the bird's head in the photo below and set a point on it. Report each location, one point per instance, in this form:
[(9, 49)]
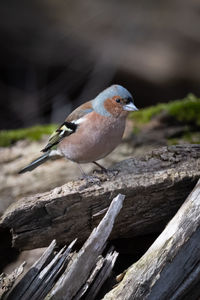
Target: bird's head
[(115, 101)]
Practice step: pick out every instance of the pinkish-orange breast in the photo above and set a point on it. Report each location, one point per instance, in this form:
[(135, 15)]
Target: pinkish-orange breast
[(95, 138)]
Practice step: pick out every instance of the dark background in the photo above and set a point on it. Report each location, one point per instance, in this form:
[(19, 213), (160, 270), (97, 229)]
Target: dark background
[(54, 55)]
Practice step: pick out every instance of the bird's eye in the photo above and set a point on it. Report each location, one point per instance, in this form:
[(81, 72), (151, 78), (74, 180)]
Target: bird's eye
[(118, 100)]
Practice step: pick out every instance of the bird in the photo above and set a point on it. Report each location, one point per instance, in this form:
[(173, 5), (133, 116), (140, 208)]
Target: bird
[(91, 131)]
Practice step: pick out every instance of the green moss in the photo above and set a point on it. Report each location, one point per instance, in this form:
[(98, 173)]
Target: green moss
[(8, 137), (145, 115), (185, 110)]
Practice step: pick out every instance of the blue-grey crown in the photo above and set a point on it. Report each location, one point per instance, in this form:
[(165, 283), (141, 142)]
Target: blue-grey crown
[(113, 90)]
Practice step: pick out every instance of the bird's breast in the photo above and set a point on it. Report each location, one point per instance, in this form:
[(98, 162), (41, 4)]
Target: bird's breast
[(94, 139)]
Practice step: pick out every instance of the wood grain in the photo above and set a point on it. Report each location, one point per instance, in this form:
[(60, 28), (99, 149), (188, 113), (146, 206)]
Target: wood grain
[(155, 187)]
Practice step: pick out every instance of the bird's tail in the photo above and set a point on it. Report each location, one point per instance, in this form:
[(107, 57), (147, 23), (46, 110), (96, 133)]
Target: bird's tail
[(34, 164)]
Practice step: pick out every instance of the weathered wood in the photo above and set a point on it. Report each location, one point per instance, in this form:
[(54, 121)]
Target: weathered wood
[(38, 281), (7, 281), (90, 280), (70, 283), (52, 271), (170, 269), (155, 186), (29, 277), (75, 278), (103, 275)]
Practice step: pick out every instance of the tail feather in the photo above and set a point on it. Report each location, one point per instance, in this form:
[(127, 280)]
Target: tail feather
[(34, 164)]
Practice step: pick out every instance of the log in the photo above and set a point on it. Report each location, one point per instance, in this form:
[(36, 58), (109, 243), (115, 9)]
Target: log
[(155, 187), (170, 269)]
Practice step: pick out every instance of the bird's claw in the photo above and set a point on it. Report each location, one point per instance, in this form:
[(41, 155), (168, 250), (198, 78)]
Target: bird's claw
[(90, 180)]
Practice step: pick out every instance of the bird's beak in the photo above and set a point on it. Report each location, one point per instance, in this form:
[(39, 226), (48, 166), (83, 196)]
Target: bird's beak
[(130, 107)]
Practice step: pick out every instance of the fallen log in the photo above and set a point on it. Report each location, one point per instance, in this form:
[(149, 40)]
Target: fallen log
[(170, 269), (155, 187)]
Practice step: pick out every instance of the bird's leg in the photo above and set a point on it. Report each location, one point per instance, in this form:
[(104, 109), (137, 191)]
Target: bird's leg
[(88, 178), (101, 167), (82, 172)]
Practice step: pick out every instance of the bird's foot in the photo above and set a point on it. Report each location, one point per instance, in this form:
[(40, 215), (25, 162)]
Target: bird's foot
[(89, 180)]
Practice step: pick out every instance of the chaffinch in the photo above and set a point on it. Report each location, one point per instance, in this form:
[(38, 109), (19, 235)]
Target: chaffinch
[(92, 130)]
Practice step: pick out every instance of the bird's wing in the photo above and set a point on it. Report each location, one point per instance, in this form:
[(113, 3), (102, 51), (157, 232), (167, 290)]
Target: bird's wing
[(80, 112), (64, 130), (69, 126)]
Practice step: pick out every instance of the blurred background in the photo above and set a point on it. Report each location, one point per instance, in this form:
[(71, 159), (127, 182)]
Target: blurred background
[(56, 55)]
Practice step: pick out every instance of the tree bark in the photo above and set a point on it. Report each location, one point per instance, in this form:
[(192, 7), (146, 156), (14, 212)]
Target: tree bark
[(155, 187), (170, 269)]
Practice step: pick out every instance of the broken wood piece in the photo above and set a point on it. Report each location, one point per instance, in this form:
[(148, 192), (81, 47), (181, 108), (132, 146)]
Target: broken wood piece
[(52, 272), (83, 290), (101, 212), (38, 281), (103, 275), (170, 269), (26, 281), (70, 283)]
